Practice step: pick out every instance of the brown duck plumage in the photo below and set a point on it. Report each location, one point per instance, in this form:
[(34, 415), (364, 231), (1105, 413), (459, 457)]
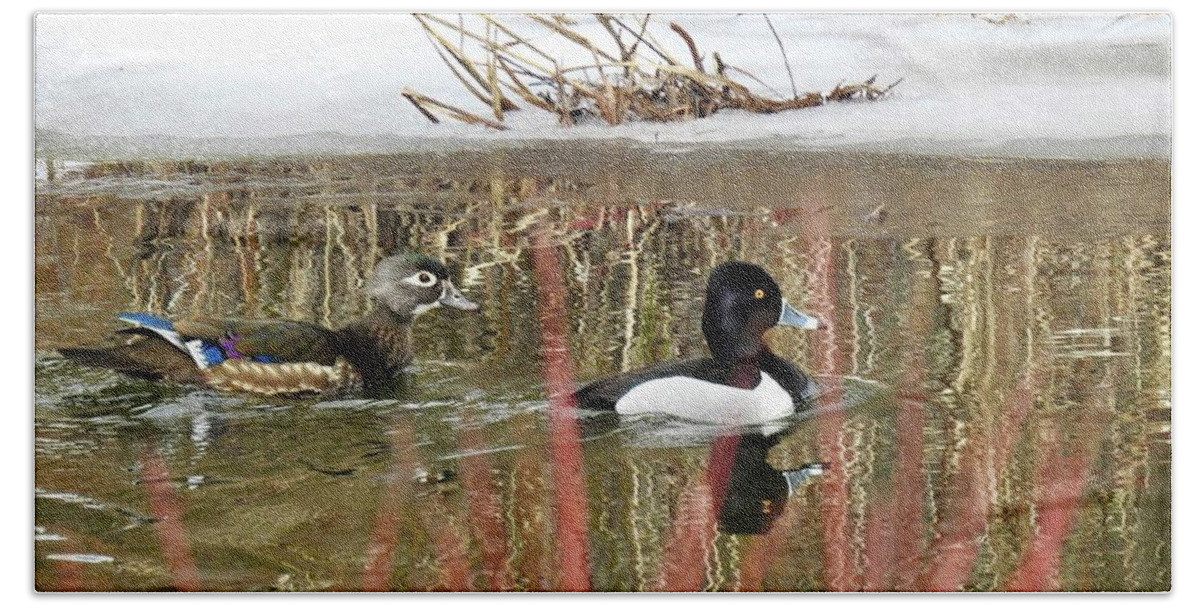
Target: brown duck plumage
[(291, 357)]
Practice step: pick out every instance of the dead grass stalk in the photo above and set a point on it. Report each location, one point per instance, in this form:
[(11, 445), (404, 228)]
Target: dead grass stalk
[(630, 77)]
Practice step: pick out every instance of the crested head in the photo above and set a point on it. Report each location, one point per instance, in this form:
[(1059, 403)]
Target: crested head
[(410, 284)]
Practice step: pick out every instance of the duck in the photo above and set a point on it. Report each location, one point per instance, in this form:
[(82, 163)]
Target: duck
[(755, 494), (284, 357), (742, 383)]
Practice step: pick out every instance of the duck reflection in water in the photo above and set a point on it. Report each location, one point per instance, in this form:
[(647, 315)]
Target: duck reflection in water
[(754, 494)]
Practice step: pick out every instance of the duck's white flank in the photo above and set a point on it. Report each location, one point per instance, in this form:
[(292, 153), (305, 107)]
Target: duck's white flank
[(709, 402)]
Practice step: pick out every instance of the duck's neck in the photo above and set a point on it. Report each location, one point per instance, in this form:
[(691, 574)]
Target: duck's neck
[(379, 346), (744, 373)]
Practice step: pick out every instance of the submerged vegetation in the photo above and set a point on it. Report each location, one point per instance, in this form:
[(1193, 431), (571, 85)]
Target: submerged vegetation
[(629, 77)]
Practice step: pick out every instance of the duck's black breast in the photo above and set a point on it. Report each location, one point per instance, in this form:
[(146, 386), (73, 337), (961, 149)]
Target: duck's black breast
[(604, 394), (794, 381)]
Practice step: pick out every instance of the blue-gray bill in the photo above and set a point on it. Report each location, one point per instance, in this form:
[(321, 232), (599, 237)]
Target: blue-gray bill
[(454, 298), (796, 477), (794, 318)]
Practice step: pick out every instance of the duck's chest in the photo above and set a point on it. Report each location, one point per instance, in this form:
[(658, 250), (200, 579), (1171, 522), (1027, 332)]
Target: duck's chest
[(710, 402)]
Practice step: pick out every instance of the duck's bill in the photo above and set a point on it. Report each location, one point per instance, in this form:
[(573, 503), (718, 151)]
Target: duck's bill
[(794, 318), (796, 477), (454, 298)]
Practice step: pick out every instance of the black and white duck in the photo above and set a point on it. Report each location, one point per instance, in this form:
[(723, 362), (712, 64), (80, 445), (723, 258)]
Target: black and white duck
[(743, 382)]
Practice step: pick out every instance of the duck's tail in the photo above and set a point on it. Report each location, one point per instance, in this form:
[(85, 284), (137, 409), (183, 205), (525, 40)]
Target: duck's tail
[(155, 351), (197, 350), (143, 357)]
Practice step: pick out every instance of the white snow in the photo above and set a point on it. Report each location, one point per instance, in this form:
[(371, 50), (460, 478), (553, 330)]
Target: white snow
[(1067, 84)]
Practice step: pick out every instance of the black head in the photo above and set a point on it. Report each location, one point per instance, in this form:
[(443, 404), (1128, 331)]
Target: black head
[(756, 493), (411, 284), (741, 304)]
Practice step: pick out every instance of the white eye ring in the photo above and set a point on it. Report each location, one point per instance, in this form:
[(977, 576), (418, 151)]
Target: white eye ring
[(422, 279)]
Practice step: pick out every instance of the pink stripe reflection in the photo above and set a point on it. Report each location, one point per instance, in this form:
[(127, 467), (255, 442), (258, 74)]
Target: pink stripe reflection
[(168, 522), (570, 492)]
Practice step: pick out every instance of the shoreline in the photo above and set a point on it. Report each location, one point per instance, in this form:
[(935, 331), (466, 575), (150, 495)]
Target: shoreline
[(323, 145), (923, 195)]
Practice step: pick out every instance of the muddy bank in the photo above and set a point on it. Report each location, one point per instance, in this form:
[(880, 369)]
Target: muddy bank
[(867, 194)]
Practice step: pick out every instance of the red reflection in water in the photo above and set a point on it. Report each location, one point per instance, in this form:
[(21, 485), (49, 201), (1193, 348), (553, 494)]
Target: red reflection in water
[(382, 546), (448, 543), (830, 361), (692, 532), (484, 510), (956, 542), (71, 575), (908, 510), (896, 522), (1061, 480), (570, 498), (879, 544), (894, 537), (68, 576), (762, 551), (168, 522), (453, 563)]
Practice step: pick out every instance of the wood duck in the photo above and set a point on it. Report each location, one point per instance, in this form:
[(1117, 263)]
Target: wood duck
[(742, 383), (288, 357)]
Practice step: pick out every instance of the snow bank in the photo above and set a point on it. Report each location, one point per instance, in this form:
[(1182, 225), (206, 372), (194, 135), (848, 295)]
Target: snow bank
[(1043, 84)]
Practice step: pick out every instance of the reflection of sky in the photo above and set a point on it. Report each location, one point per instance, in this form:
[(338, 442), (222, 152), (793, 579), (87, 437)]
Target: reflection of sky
[(262, 75)]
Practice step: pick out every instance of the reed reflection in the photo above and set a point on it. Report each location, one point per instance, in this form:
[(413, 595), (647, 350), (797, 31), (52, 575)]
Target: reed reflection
[(958, 359)]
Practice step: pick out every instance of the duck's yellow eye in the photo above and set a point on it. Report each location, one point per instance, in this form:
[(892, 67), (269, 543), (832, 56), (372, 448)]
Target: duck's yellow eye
[(759, 294)]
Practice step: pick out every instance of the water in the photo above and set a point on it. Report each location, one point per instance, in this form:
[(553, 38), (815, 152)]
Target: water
[(999, 360)]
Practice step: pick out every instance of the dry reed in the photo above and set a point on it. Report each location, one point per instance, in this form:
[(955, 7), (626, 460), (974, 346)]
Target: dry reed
[(631, 76)]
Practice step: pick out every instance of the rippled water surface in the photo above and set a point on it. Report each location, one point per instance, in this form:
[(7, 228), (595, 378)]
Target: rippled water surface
[(994, 401)]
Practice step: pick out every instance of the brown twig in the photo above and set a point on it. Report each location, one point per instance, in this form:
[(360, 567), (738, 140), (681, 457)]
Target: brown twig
[(493, 82), (572, 35), (520, 89), (697, 60), (457, 53), (433, 119), (606, 21), (458, 113), (641, 37), (787, 64)]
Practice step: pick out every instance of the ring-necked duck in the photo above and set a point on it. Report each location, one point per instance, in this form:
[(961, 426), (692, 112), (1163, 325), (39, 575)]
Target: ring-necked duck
[(755, 493), (742, 383), (288, 357)]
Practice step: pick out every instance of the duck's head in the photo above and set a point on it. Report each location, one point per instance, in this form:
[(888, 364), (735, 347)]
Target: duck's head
[(741, 304), (410, 284)]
